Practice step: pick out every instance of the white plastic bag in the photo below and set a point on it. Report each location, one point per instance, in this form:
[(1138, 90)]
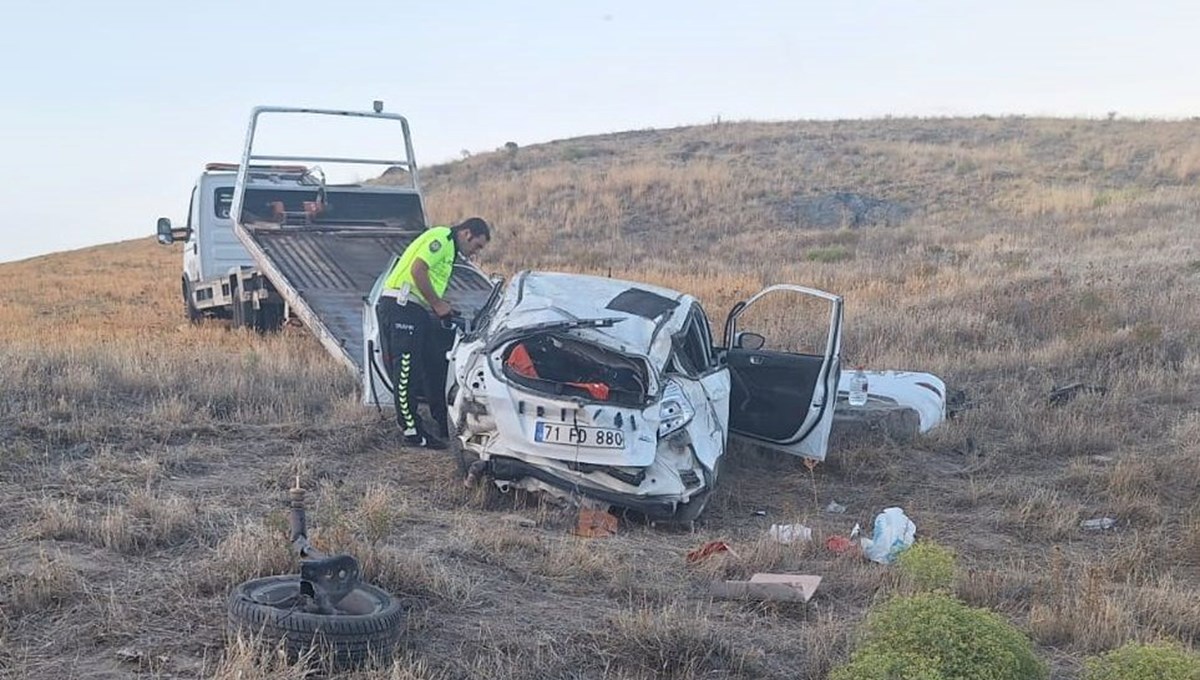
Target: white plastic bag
[(893, 534), (790, 533)]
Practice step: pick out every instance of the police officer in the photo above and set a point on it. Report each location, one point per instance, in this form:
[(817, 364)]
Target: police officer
[(409, 311)]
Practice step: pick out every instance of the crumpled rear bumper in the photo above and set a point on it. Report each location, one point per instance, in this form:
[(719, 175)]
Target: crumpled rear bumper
[(503, 469)]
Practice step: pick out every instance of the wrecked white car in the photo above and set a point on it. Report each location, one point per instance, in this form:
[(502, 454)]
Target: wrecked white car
[(616, 391)]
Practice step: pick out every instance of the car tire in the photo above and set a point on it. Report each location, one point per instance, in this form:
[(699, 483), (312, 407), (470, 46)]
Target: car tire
[(369, 627), (689, 512)]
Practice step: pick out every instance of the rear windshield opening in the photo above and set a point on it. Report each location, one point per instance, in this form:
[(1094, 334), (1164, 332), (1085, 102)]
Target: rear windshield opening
[(387, 208), (562, 366)]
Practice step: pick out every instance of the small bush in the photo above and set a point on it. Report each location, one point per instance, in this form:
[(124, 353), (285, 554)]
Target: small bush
[(1136, 661), (927, 567), (829, 255), (936, 637)]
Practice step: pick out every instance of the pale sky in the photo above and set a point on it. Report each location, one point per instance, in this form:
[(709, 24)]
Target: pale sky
[(109, 109)]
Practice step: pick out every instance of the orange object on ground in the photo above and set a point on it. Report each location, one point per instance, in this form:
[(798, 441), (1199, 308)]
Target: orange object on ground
[(596, 390), (595, 523), (521, 363), (838, 544), (708, 550)]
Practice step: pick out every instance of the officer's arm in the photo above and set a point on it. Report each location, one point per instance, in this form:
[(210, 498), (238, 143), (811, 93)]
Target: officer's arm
[(420, 275)]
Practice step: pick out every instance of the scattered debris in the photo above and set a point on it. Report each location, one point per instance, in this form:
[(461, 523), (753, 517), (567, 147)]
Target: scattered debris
[(790, 533), (1061, 395), (777, 587), (957, 401), (893, 534), (708, 550), (141, 658), (760, 513), (1098, 524), (835, 508), (595, 523), (519, 520), (838, 544)]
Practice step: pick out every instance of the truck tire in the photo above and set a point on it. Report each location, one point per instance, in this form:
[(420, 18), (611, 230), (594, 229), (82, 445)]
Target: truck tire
[(367, 623), (189, 307), (242, 311), (268, 318)]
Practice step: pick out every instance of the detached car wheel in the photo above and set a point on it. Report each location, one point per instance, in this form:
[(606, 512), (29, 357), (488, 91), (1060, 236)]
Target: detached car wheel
[(366, 623)]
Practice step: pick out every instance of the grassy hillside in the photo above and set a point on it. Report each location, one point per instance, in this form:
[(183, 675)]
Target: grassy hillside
[(143, 461)]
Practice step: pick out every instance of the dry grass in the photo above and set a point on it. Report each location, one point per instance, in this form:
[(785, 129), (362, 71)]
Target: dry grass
[(144, 462)]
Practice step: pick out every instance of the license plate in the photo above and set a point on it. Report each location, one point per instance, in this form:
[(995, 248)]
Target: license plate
[(574, 435)]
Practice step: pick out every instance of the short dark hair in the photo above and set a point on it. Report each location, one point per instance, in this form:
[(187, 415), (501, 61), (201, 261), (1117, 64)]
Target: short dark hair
[(476, 226)]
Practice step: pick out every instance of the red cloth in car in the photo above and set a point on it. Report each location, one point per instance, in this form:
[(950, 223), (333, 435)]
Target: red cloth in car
[(597, 390), (521, 363)]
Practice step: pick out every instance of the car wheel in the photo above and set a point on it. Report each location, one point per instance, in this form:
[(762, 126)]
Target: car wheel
[(365, 624), (689, 512)]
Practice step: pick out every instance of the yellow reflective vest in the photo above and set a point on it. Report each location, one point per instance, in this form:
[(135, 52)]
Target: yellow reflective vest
[(437, 248)]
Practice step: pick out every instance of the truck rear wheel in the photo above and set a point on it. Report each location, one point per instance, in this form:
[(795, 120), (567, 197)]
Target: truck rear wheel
[(237, 308), (244, 313), (268, 318)]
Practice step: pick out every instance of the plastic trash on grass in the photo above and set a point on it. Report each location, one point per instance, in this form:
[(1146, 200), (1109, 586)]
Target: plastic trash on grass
[(893, 534), (790, 533)]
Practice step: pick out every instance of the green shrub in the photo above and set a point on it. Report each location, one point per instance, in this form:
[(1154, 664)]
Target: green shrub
[(935, 637), (829, 255), (1136, 661), (927, 566)]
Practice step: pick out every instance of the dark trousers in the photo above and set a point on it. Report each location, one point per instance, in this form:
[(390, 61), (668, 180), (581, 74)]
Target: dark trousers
[(414, 347)]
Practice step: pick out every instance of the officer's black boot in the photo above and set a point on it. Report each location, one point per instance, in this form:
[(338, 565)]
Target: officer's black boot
[(418, 437)]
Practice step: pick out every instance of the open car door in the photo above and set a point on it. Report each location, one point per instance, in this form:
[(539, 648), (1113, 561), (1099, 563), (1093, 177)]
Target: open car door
[(783, 352)]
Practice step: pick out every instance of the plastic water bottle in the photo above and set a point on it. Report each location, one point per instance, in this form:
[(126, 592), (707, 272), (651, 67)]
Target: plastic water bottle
[(858, 387)]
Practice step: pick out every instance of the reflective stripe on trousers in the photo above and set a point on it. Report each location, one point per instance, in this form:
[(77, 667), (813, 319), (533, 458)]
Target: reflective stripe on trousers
[(402, 387)]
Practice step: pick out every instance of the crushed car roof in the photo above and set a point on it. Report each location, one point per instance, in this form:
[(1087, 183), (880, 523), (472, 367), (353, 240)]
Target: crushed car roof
[(643, 316)]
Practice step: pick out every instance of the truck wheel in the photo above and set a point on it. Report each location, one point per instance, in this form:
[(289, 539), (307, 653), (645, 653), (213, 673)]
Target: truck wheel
[(365, 624), (241, 311), (268, 318), (193, 315)]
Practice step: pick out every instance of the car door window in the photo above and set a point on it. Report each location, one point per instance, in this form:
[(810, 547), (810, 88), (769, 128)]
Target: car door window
[(693, 346)]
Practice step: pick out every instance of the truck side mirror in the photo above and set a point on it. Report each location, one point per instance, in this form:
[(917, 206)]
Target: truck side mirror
[(168, 234), (165, 235)]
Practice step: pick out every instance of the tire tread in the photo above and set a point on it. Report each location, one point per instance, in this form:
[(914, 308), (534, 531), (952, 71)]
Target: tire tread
[(351, 639)]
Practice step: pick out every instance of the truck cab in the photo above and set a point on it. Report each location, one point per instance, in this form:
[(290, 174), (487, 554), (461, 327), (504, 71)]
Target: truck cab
[(220, 278), (269, 239)]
